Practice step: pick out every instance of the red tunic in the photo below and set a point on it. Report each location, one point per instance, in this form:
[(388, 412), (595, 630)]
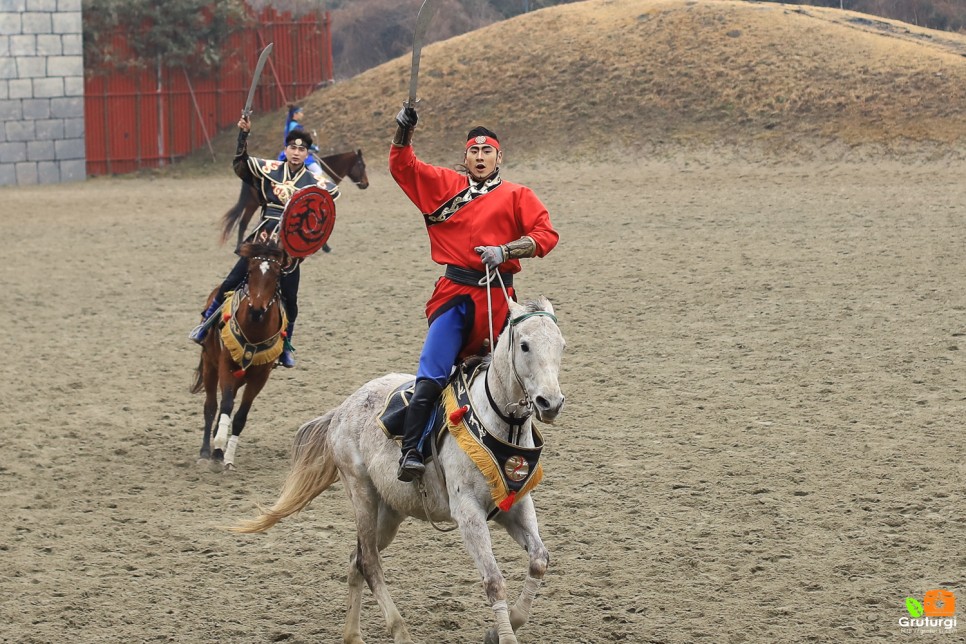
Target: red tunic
[(505, 214)]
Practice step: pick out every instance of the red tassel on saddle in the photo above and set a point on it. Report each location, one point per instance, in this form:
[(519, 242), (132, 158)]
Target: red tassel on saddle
[(226, 316), (507, 503), (238, 374), (458, 414)]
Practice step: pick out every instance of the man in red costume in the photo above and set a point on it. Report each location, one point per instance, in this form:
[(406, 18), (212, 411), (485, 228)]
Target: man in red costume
[(475, 221)]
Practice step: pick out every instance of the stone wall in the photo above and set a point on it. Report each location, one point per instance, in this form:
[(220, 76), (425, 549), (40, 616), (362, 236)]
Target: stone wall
[(41, 92)]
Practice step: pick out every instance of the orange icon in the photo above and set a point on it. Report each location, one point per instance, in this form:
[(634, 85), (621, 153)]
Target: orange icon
[(939, 603)]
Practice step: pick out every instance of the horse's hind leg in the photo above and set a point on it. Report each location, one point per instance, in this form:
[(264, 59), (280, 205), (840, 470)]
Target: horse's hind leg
[(365, 563), (210, 380)]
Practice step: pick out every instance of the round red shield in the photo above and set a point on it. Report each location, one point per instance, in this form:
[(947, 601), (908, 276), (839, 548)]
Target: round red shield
[(307, 221)]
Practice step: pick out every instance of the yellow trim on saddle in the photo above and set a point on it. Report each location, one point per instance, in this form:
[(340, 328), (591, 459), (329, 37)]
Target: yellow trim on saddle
[(242, 352), (483, 458)]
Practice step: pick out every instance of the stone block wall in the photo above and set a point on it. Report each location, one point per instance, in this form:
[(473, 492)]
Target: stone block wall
[(41, 92)]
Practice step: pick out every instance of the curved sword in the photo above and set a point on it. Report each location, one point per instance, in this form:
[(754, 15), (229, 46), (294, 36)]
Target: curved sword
[(259, 66), (423, 18)]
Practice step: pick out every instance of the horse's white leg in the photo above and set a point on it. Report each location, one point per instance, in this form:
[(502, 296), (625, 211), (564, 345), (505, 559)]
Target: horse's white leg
[(476, 538), (389, 522), (230, 452), (224, 431), (376, 527), (521, 524), (352, 633)]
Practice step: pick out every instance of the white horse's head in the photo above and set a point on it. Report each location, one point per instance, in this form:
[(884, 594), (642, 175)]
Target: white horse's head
[(536, 351)]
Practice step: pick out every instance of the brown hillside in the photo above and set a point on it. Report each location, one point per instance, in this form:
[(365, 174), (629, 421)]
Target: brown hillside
[(618, 76)]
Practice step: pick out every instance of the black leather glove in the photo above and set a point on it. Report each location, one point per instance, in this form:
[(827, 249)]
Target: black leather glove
[(407, 118)]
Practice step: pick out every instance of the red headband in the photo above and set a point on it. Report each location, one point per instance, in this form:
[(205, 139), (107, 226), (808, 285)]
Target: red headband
[(483, 140)]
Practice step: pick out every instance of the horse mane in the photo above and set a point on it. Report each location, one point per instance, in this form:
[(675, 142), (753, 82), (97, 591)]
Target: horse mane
[(257, 249), (541, 303)]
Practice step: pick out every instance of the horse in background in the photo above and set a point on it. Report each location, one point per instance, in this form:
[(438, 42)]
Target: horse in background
[(338, 166), (348, 443), (241, 353)]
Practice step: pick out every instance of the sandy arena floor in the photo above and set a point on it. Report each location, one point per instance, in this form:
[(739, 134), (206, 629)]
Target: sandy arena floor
[(762, 440)]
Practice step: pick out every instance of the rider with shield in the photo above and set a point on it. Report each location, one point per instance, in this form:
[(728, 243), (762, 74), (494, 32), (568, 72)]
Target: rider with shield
[(276, 182), (476, 221)]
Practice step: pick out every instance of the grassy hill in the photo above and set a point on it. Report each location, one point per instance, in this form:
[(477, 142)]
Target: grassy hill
[(609, 78)]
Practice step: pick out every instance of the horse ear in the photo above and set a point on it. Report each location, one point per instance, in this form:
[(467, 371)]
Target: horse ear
[(516, 309), (545, 304)]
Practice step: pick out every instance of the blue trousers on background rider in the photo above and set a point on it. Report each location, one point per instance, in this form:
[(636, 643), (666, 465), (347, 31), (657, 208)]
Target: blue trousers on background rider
[(289, 288), (444, 340)]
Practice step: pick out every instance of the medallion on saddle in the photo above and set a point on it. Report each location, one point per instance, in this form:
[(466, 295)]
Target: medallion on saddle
[(510, 470)]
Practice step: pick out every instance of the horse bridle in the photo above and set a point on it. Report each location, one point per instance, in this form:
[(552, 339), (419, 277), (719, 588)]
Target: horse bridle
[(278, 284)]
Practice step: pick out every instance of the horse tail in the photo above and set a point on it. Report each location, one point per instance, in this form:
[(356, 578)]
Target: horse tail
[(313, 471), (198, 384), (231, 218)]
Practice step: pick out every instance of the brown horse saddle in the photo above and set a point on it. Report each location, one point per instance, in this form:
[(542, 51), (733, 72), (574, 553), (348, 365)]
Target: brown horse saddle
[(510, 470)]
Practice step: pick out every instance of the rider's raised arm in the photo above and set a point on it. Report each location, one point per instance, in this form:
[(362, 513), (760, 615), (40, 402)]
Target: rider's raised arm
[(242, 163)]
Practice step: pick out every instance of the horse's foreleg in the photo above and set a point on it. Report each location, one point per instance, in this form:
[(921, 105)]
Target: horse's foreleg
[(476, 538), (224, 418), (237, 425), (521, 524)]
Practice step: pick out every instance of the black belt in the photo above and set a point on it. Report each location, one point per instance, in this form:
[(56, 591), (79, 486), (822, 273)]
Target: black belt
[(469, 277)]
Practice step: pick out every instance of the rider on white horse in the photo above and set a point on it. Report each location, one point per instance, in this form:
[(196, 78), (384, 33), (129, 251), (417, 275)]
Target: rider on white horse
[(476, 221)]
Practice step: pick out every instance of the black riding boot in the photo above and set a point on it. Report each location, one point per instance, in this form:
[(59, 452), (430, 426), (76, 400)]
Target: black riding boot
[(417, 415)]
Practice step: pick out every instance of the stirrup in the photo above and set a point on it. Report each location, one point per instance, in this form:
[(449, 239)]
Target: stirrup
[(199, 333), (411, 466)]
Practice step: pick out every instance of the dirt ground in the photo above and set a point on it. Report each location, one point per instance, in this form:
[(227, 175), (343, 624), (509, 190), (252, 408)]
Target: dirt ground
[(762, 440)]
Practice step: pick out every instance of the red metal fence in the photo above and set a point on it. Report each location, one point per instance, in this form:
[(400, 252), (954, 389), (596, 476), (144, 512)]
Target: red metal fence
[(149, 118)]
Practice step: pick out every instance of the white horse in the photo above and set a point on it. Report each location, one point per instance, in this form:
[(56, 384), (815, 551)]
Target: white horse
[(347, 443)]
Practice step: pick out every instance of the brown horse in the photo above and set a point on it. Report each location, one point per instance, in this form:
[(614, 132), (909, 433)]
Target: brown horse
[(337, 166), (241, 352)]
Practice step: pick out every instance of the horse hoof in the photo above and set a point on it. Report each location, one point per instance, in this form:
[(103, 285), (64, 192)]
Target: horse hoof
[(492, 637), (202, 461), (229, 468)]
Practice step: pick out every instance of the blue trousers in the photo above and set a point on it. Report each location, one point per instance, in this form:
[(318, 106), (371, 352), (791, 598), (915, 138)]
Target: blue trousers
[(444, 340)]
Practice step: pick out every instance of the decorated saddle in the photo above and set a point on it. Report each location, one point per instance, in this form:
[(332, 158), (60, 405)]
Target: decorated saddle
[(510, 470)]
